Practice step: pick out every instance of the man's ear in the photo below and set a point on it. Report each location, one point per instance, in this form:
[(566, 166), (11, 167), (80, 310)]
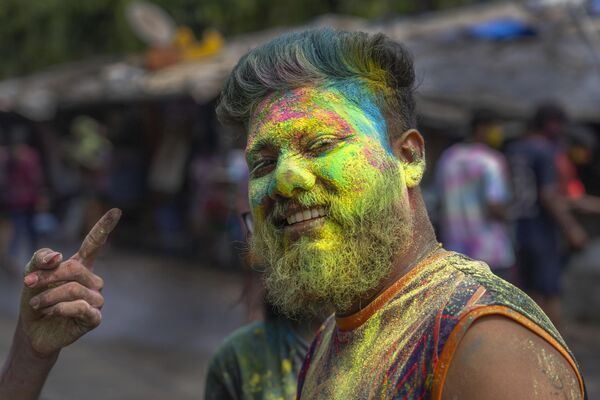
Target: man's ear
[(409, 148)]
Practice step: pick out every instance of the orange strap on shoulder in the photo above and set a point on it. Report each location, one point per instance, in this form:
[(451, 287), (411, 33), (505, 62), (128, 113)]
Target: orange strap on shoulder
[(439, 375)]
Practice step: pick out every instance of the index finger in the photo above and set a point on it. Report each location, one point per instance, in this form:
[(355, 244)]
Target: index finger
[(94, 240)]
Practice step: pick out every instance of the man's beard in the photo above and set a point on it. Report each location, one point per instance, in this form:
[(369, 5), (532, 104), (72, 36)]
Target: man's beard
[(345, 260)]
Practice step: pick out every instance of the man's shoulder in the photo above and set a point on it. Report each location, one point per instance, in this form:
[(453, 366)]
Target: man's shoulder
[(466, 271), (491, 157), (478, 291), (498, 358), (483, 304), (255, 343), (256, 339), (531, 146), (451, 154), (241, 341), (247, 334), (495, 291)]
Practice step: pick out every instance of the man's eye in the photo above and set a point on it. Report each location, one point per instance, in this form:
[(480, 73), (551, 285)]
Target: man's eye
[(262, 167), (321, 146)]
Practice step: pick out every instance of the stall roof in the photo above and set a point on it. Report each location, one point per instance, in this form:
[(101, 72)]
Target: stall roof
[(455, 70)]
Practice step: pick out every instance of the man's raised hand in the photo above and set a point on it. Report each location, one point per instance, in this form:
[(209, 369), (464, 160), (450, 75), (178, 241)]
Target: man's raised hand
[(61, 300)]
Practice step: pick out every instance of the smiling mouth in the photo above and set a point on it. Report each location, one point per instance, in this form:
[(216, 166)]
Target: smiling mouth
[(305, 216)]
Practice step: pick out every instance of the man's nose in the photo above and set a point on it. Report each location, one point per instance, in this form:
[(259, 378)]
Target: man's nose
[(290, 177)]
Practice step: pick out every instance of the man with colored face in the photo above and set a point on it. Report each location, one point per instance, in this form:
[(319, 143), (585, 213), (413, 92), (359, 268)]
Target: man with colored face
[(340, 222), (322, 180), (336, 163)]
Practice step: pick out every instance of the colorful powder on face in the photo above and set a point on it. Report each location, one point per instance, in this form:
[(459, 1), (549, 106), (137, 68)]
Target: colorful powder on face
[(289, 121), (294, 121), (315, 148)]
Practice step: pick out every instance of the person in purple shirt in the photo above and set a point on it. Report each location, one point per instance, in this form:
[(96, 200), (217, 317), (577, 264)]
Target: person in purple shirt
[(473, 187)]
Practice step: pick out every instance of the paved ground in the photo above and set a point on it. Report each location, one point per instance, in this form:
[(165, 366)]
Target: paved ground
[(162, 321)]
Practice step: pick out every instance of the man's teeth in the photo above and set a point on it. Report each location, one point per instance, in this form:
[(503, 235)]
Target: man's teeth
[(306, 215)]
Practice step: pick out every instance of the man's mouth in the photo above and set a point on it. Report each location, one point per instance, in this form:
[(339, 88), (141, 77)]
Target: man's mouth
[(305, 215)]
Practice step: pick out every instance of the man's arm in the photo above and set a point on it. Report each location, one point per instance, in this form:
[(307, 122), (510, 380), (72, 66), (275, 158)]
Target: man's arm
[(555, 202), (495, 188), (500, 359), (60, 302), (586, 204), (24, 371), (558, 206)]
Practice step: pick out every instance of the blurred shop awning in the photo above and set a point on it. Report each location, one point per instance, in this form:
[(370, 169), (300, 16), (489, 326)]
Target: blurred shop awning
[(465, 58)]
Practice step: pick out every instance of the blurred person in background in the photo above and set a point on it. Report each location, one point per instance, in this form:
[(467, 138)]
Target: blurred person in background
[(209, 201), (88, 151), (167, 176), (23, 191), (472, 184), (576, 151), (5, 227), (546, 191)]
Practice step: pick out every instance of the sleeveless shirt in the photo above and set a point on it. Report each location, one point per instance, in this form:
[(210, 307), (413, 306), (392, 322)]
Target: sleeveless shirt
[(400, 345)]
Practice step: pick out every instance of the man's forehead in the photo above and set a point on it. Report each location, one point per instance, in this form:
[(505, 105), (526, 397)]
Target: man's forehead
[(296, 109), (325, 102), (282, 104)]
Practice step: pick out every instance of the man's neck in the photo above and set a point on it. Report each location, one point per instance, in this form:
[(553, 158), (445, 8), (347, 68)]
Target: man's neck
[(423, 244)]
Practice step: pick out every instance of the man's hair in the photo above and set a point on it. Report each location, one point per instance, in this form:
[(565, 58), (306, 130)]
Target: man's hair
[(547, 112), (323, 57), (482, 116)]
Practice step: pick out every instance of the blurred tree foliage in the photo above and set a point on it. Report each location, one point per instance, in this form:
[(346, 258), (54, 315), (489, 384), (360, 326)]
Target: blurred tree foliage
[(38, 33)]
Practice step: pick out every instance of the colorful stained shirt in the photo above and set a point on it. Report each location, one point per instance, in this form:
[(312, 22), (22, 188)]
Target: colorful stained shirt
[(469, 176), (258, 361), (401, 345)]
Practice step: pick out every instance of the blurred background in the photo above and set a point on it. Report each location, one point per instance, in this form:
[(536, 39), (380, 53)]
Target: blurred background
[(110, 103)]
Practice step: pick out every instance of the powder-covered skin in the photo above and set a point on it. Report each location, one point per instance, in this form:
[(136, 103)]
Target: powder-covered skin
[(314, 147), (318, 119)]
